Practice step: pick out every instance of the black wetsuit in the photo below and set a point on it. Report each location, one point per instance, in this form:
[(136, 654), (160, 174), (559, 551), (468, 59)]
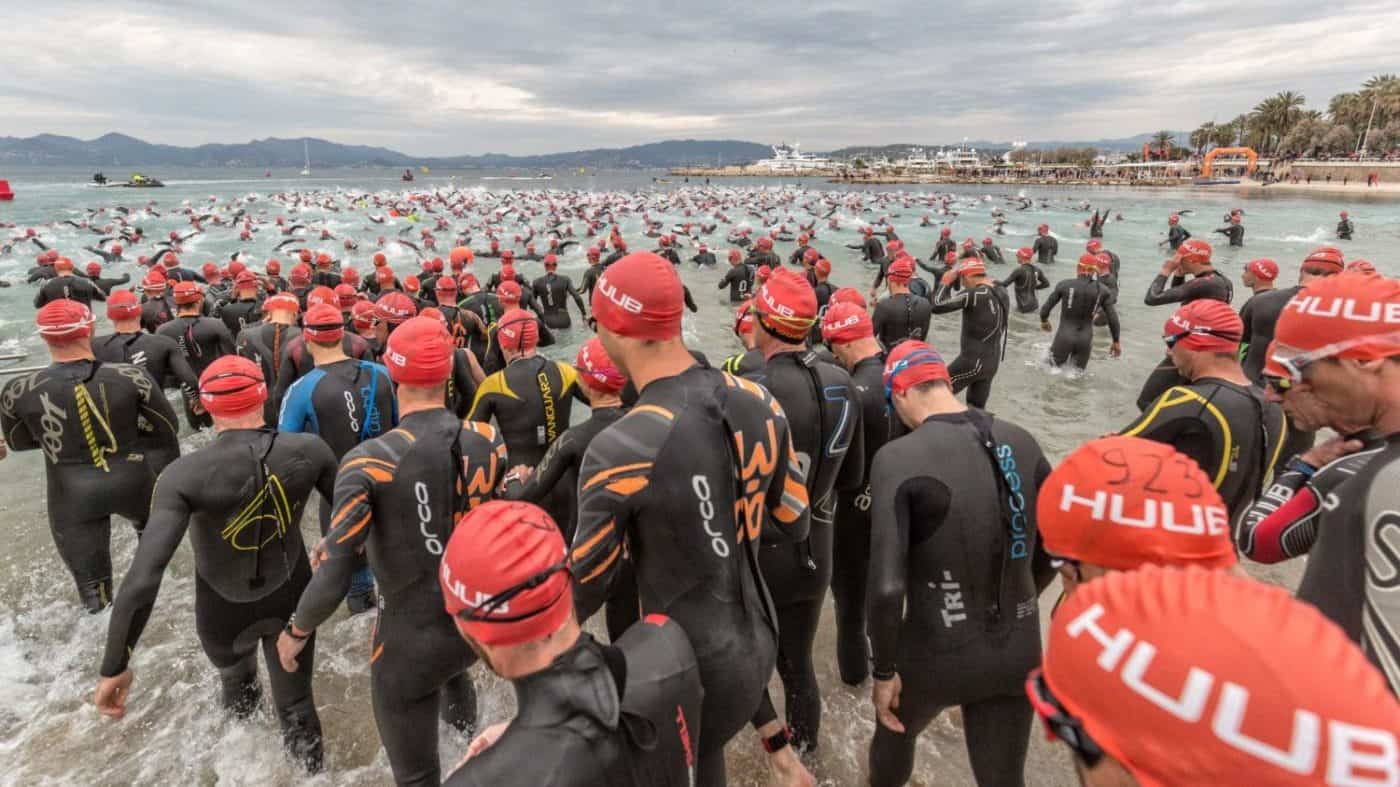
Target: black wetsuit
[(160, 356), (1235, 232), (1229, 430), (1345, 229), (488, 307), (758, 258), (901, 316), (601, 715), (745, 363), (704, 258), (992, 254), (1283, 523), (74, 288), (941, 249), (262, 344), (1211, 284), (461, 388), (1177, 235), (551, 291), (1023, 282), (1260, 314), (345, 402), (823, 416), (244, 495), (954, 535), (872, 251), (795, 259), (590, 278), (495, 360), (1045, 248), (325, 278), (1082, 297), (669, 254), (156, 312), (667, 481), (106, 285), (461, 327), (296, 362), (739, 280), (239, 314), (203, 341), (985, 311), (1352, 569), (398, 497), (558, 469), (106, 431)]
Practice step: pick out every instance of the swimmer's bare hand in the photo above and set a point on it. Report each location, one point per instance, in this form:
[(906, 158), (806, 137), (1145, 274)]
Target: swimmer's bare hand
[(1330, 451), (288, 648), (1045, 326), (112, 694), (1115, 350), (885, 695), (485, 740), (318, 554)]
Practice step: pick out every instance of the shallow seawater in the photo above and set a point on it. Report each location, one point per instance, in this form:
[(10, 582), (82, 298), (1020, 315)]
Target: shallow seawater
[(174, 731)]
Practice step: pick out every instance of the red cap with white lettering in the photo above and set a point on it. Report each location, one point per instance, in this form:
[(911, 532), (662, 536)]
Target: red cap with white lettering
[(1189, 676), (640, 296), (1122, 502), (1349, 315)]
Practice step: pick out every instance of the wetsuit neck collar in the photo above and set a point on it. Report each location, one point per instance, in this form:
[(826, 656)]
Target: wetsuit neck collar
[(580, 681)]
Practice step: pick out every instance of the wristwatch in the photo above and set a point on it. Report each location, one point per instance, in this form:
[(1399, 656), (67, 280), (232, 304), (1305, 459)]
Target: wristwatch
[(777, 741)]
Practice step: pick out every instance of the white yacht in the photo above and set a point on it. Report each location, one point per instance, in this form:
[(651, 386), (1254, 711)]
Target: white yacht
[(959, 158), (787, 158)]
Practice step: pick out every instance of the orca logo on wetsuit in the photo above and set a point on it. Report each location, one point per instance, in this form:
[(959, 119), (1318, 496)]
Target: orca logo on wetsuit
[(701, 485), (350, 411), (431, 541), (1351, 749)]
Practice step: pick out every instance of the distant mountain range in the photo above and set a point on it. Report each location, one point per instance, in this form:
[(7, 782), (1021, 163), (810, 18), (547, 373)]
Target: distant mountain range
[(120, 150)]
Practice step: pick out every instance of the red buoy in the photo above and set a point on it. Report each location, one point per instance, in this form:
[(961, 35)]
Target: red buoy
[(5, 194)]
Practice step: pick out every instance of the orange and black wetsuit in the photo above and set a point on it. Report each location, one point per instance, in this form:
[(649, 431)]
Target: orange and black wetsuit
[(664, 484), (398, 497)]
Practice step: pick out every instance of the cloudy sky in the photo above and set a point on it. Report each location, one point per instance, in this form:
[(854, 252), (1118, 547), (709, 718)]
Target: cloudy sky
[(438, 77)]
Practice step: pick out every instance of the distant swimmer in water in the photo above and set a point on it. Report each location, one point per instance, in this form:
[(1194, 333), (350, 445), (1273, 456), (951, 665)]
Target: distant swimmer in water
[(91, 420), (1080, 299), (1344, 227)]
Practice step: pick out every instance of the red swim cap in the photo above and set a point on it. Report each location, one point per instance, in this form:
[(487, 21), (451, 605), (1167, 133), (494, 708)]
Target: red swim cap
[(1122, 502), (63, 264), (968, 244), (350, 276), (362, 315), (550, 262), (822, 267), (1194, 251), (301, 274), (1362, 266), (1094, 246), (844, 323), (895, 246), (122, 305), (232, 386), (900, 271), (1266, 270), (94, 269), (1189, 676), (1324, 261), (911, 363), (469, 283), (437, 265), (1349, 315), (273, 267), (304, 255), (64, 321), (743, 318), (380, 260), (507, 256), (765, 243), (410, 283), (640, 296), (1088, 263), (972, 267), (320, 295), (945, 232), (284, 301), (1172, 219), (383, 276), (419, 352), (509, 291), (497, 547), (210, 270), (323, 324), (786, 305), (1205, 325), (847, 295), (598, 370), (810, 256), (517, 331), (446, 285), (395, 308), (593, 252), (1043, 229), (187, 292), (345, 296)]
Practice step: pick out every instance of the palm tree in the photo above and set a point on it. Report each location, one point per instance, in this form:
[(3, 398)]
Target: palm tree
[(1162, 140), (1201, 137)]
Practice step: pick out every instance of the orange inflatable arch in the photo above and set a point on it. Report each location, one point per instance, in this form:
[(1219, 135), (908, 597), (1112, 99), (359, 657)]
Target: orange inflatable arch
[(1208, 164)]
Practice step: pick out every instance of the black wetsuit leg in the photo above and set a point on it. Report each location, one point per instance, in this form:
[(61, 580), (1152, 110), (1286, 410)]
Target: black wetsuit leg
[(622, 608), (81, 502), (850, 571), (230, 634), (975, 374), (1072, 342), (797, 631), (418, 665)]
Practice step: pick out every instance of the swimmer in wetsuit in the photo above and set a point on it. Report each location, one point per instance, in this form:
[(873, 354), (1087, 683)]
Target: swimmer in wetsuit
[(94, 274), (1217, 418), (955, 572), (902, 315), (345, 401), (1080, 299), (1192, 258), (398, 497), (550, 291), (156, 307), (1234, 231), (1045, 246), (1024, 281), (245, 308), (985, 308), (823, 415), (739, 278), (698, 445), (106, 431), (202, 339), (67, 285), (586, 713), (1345, 229), (1176, 234), (244, 495)]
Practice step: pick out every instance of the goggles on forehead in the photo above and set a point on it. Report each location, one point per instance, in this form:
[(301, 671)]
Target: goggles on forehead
[(1295, 361)]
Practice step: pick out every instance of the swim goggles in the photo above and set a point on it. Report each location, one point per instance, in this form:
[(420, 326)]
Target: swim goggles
[(1172, 339), (916, 358), (1278, 385), (482, 612), (1059, 724), (1295, 361)]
